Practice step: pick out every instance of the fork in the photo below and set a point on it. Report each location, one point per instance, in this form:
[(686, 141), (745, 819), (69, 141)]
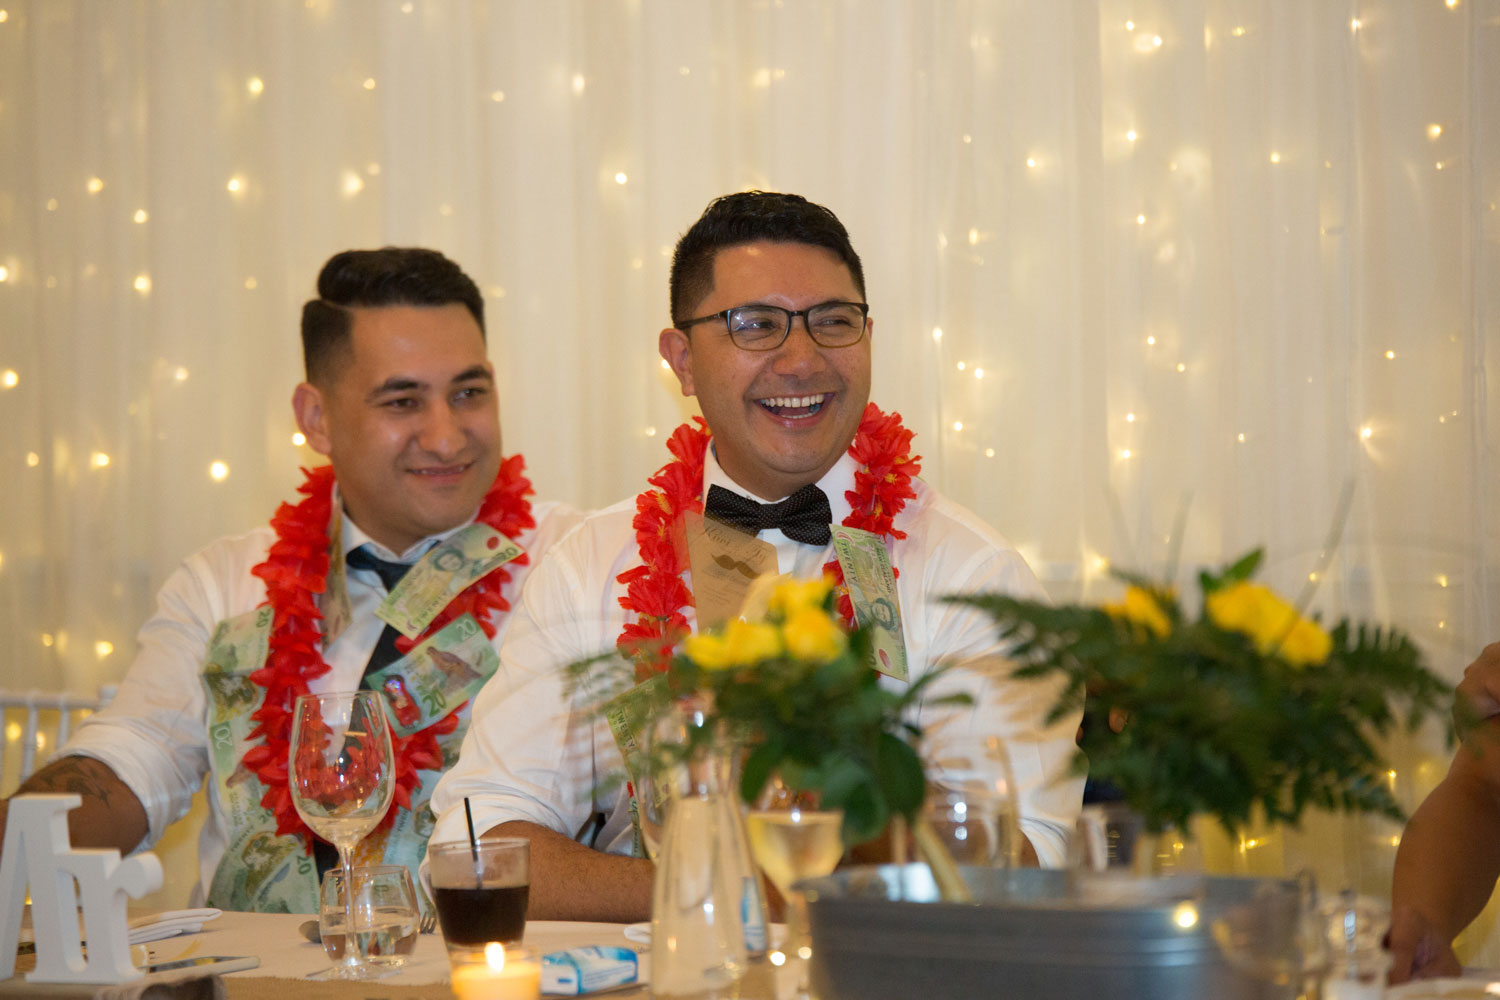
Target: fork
[(428, 923)]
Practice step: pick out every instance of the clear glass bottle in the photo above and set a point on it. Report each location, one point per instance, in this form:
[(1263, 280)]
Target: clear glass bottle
[(707, 913)]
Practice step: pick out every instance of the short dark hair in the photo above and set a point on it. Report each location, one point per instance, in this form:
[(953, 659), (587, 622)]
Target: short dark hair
[(390, 276), (750, 217)]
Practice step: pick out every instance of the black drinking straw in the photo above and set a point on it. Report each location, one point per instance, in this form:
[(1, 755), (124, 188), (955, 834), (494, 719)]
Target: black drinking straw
[(473, 844)]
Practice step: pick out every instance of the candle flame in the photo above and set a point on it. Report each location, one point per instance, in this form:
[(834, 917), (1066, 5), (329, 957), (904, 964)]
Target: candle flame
[(494, 954)]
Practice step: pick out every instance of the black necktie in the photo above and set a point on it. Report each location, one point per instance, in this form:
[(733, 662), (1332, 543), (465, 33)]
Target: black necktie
[(803, 517), (325, 856), (390, 573)]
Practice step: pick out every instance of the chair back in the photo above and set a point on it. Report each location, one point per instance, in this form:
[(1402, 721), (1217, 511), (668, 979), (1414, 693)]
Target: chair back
[(36, 723)]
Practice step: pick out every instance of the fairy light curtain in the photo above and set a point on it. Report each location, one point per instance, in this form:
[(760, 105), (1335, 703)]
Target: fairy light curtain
[(1148, 277)]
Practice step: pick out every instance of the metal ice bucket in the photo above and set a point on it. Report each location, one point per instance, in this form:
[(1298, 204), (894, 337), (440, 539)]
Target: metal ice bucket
[(882, 933)]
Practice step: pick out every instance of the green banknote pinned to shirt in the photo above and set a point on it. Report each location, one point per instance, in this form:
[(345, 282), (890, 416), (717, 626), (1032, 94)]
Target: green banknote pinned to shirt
[(442, 574), (872, 591), (439, 674)]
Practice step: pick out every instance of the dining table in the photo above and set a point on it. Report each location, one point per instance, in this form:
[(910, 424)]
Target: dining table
[(286, 958)]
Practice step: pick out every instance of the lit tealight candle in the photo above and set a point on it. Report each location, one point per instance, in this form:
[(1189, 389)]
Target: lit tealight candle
[(503, 975)]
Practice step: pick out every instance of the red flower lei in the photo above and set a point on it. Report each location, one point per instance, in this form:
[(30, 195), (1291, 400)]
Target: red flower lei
[(295, 570), (655, 591)]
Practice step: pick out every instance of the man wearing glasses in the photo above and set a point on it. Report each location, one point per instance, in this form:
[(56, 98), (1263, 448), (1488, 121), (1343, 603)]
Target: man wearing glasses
[(771, 332)]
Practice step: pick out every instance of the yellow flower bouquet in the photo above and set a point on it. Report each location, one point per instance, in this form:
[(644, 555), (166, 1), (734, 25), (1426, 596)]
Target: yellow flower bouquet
[(1246, 705)]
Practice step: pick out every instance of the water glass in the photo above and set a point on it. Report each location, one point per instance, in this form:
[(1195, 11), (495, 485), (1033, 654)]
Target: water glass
[(384, 908)]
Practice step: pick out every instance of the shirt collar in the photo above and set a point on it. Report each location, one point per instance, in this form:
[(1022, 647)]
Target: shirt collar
[(353, 537), (835, 482)]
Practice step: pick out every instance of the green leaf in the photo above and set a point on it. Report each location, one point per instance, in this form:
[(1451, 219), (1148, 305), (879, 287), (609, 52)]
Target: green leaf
[(900, 774)]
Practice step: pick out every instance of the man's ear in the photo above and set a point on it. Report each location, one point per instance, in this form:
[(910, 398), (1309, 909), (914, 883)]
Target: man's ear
[(677, 351), (312, 417)]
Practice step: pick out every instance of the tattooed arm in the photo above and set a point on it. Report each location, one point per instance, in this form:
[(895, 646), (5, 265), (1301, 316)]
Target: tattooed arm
[(110, 816)]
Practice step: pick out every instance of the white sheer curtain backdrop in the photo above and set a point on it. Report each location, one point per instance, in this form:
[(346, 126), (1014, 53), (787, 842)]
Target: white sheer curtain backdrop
[(1131, 263)]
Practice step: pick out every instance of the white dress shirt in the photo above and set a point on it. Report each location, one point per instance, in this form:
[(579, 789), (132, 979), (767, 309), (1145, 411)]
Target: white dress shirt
[(154, 735), (534, 753)]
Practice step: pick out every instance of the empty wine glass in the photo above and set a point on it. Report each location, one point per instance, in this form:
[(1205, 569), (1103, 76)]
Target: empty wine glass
[(341, 774)]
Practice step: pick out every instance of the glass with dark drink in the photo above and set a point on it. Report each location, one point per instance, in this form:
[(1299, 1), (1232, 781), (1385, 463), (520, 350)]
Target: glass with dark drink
[(480, 890)]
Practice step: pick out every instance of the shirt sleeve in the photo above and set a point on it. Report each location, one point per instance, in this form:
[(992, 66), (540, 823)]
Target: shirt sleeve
[(152, 734), (1006, 737), (528, 752)]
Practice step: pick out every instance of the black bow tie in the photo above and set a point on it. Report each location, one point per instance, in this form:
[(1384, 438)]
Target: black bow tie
[(390, 572), (803, 517)]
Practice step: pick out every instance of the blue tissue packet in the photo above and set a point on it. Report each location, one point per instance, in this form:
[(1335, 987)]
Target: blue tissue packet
[(584, 970)]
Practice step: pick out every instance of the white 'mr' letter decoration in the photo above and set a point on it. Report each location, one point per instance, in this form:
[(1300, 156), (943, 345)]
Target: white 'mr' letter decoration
[(37, 852)]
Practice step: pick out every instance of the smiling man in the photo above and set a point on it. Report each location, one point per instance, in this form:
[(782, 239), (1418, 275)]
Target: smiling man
[(417, 529), (771, 333)]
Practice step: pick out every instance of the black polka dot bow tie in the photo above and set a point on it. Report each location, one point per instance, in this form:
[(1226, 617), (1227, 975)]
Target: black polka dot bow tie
[(803, 517)]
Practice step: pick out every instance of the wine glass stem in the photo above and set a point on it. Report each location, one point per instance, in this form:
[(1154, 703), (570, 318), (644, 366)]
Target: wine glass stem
[(799, 939), (354, 953)]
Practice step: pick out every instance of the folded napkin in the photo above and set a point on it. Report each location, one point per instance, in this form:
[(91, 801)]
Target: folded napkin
[(156, 926)]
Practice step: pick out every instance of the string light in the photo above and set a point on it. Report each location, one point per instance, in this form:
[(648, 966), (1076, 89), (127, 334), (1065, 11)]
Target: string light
[(1355, 24), (51, 204), (33, 460), (299, 439), (578, 84), (1124, 452), (47, 639), (1151, 340), (1181, 367), (1130, 418), (373, 169), (407, 8), (103, 648), (621, 178), (1240, 437), (1275, 156), (683, 71), (251, 284), (1132, 135), (140, 216), (218, 471), (143, 283), (95, 185), (973, 237), (369, 83), (235, 185), (937, 333), (1366, 432), (10, 378), (99, 460), (968, 139), (498, 96), (1140, 220), (4, 273), (4, 16), (1442, 580), (651, 432), (1031, 162), (665, 366), (958, 425), (979, 373), (255, 85), (989, 453), (962, 365), (445, 209), (1239, 31), (1451, 3), (180, 374), (1129, 25), (1434, 131), (1390, 355), (353, 183)]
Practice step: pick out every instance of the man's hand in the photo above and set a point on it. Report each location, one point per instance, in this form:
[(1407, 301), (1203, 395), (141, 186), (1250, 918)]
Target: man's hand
[(1479, 691), (1418, 950)]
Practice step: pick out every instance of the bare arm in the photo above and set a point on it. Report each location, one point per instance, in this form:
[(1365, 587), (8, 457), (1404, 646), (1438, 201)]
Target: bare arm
[(1480, 687), (110, 816), (572, 882), (1448, 861)]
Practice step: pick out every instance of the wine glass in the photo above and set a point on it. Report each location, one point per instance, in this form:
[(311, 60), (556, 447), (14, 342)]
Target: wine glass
[(341, 775), (792, 839)]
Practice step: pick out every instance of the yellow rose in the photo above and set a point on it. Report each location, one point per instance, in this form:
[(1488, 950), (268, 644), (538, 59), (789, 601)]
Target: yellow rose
[(1270, 622), (793, 595), (740, 644), (1306, 644), (811, 634), (1140, 608)]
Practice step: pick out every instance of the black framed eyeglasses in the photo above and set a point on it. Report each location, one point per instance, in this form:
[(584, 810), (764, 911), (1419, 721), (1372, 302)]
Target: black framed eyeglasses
[(765, 328)]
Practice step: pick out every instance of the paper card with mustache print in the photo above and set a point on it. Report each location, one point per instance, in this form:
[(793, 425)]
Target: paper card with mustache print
[(872, 591), (724, 562), (442, 574)]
